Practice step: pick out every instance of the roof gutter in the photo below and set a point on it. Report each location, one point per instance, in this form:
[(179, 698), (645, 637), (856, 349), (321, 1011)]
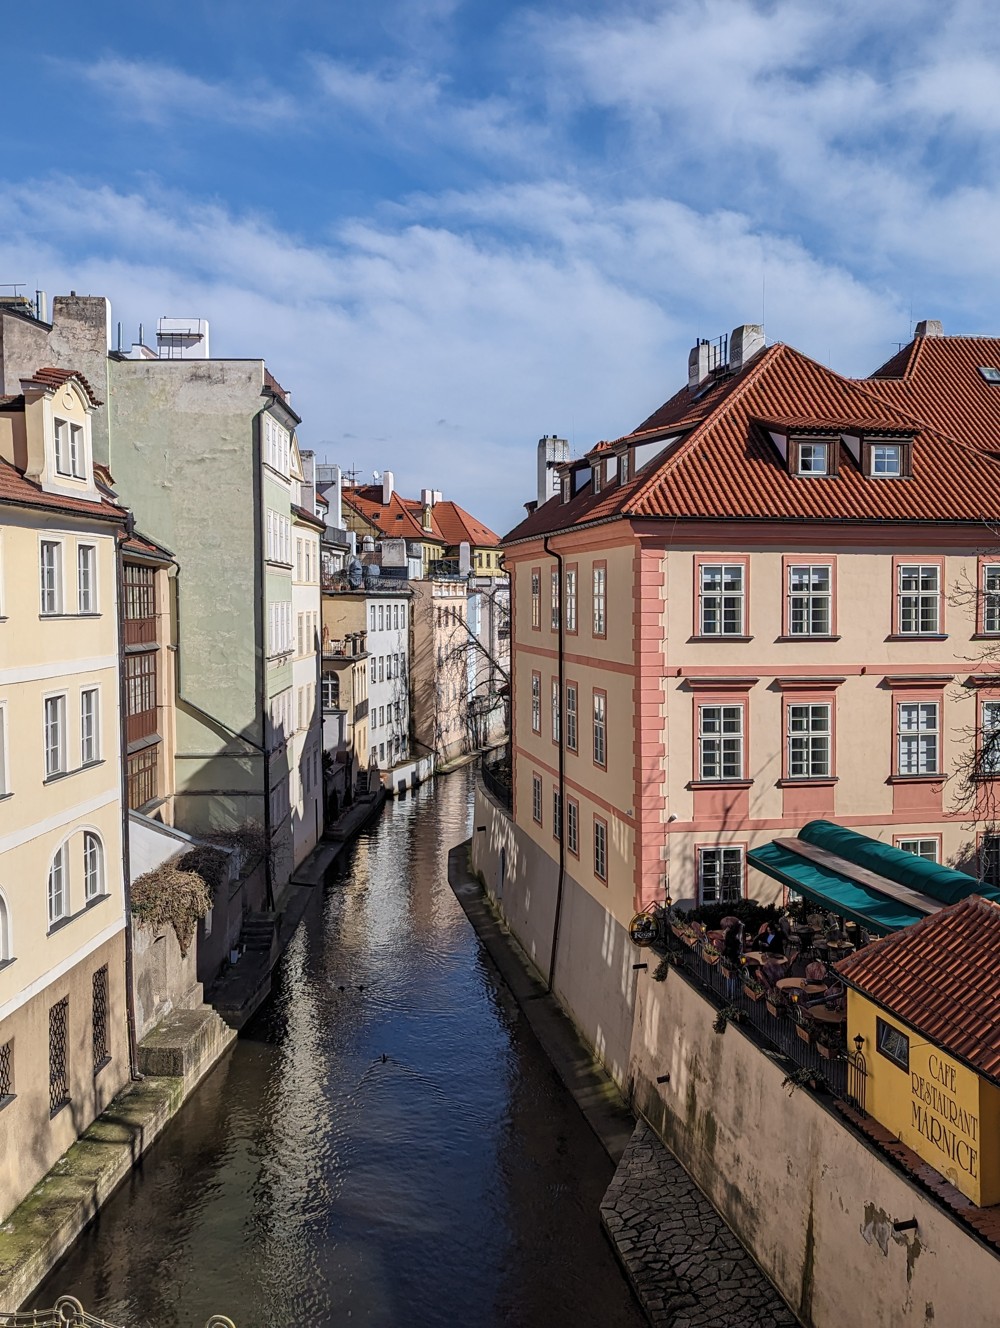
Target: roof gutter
[(560, 882)]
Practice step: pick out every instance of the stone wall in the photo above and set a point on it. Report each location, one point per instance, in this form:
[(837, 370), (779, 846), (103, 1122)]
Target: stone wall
[(813, 1201)]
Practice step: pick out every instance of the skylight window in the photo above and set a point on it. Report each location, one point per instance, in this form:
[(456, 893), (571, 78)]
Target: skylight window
[(991, 374)]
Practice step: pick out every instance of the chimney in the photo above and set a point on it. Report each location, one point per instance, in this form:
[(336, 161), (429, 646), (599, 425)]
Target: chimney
[(427, 504), (699, 362), (744, 344), (464, 558), (531, 507), (929, 327), (388, 481), (551, 453)]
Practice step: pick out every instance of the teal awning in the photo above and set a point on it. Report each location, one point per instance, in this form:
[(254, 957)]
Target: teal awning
[(930, 878), (836, 893), (881, 887)]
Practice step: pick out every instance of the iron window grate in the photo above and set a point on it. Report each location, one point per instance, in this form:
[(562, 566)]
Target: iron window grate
[(102, 1052), (6, 1071), (58, 1055)]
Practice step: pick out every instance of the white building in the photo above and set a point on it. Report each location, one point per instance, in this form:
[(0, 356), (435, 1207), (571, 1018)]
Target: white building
[(305, 750), (388, 611)]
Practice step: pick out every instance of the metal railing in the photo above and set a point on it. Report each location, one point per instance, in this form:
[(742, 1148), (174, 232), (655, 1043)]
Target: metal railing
[(67, 1312), (497, 782), (838, 1069)]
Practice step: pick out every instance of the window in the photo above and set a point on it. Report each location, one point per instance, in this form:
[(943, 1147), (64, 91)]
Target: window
[(93, 866), (892, 1043), (536, 598), (6, 1071), (373, 617), (573, 826), (90, 726), (57, 887), (55, 735), (991, 599), (919, 599), (140, 605), (279, 538), (280, 628), (571, 599), (989, 741), (918, 737), (600, 729), (886, 460), (555, 600), (809, 600), (722, 595), (301, 627), (51, 576), (86, 579), (808, 741), (571, 716), (381, 668), (556, 726), (598, 470), (720, 742), (331, 691), (600, 600), (58, 1055), (299, 567), (374, 663), (536, 702), (277, 445), (556, 814), (536, 798), (921, 848), (720, 874), (381, 617), (142, 776), (989, 860), (6, 952), (99, 1019), (813, 459), (4, 778), (600, 849), (62, 447)]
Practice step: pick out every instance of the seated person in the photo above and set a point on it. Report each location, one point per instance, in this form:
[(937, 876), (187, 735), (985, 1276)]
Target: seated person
[(732, 943), (773, 940)]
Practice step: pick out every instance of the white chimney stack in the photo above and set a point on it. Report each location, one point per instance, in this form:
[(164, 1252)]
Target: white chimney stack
[(464, 558), (699, 364), (388, 481), (744, 343), (551, 453)]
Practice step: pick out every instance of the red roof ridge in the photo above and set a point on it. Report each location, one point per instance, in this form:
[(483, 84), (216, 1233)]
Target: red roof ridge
[(687, 445), (50, 376)]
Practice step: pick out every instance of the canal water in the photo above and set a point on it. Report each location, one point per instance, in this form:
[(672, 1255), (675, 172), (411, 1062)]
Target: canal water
[(387, 1145)]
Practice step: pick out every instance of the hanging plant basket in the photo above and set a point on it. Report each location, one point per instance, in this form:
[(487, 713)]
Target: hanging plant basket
[(773, 1008), (804, 1033), (754, 993)]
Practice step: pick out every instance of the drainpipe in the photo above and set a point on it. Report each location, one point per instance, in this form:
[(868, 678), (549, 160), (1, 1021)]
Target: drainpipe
[(562, 769), (193, 705), (133, 1048)]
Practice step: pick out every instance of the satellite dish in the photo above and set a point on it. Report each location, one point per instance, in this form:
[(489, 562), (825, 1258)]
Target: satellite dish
[(376, 476)]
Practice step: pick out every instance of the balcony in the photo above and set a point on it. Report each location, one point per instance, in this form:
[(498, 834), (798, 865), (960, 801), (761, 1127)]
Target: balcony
[(352, 646), (140, 631)]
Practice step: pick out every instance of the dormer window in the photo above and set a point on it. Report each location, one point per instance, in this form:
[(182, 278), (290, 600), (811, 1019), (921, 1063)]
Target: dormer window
[(624, 466), (888, 460), (812, 458), (598, 472), (566, 488), (69, 449)]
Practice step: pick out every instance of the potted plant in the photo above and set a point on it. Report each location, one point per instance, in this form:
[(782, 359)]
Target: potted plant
[(828, 1046), (775, 1005), (709, 953), (804, 1032), (752, 988)]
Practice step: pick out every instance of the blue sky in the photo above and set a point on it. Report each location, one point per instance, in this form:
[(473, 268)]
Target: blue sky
[(452, 227)]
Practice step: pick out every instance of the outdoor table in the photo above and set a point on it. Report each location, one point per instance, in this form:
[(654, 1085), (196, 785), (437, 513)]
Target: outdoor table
[(840, 948), (791, 984), (825, 1016)]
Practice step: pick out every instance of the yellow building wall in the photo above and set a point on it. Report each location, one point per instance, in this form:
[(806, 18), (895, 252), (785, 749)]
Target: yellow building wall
[(939, 1107)]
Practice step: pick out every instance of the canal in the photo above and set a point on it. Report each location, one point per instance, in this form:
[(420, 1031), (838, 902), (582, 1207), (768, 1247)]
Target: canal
[(386, 1145)]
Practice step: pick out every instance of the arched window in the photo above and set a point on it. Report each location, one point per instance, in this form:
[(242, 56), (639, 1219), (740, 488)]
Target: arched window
[(93, 866), (5, 942), (58, 886)]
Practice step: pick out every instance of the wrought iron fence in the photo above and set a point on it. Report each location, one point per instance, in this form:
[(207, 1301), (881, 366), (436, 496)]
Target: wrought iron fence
[(496, 777), (838, 1069), (67, 1312)]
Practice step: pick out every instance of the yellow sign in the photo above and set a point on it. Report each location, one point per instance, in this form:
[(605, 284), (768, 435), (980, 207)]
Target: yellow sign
[(937, 1115)]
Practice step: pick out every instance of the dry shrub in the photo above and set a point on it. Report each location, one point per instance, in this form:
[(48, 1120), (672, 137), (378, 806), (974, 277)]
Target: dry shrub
[(168, 895)]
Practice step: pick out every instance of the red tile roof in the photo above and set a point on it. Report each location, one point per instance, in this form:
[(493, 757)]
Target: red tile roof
[(726, 466), (50, 377), (403, 518), (937, 380), (942, 977), (15, 488), (144, 547)]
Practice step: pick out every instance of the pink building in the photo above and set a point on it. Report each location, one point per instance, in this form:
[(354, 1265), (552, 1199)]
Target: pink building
[(775, 600)]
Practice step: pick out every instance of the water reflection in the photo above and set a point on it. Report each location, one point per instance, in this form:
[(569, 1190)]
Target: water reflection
[(386, 1145)]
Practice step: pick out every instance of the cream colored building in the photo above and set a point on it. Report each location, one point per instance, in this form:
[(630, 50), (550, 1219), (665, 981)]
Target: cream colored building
[(305, 778), (63, 1045)]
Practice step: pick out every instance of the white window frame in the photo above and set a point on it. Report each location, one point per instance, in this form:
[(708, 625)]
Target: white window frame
[(721, 742), (572, 826), (77, 447), (536, 703), (571, 599), (60, 430), (93, 866), (86, 578), (50, 589), (59, 747), (721, 606), (571, 717), (600, 729), (988, 765), (90, 725), (556, 717), (809, 738), (990, 591), (810, 606), (815, 450), (600, 600), (918, 742), (916, 844), (918, 603), (880, 452), (4, 745), (714, 862), (554, 594), (57, 886)]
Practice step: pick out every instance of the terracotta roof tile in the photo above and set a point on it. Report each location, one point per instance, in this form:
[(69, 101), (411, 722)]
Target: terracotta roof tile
[(937, 380), (942, 977), (52, 377), (403, 517), (15, 488), (726, 466)]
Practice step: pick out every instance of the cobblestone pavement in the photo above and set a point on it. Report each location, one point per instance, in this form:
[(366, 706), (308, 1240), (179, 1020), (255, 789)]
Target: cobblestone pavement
[(687, 1267)]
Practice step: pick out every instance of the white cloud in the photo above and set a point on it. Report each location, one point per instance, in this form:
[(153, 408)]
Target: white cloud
[(162, 95)]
